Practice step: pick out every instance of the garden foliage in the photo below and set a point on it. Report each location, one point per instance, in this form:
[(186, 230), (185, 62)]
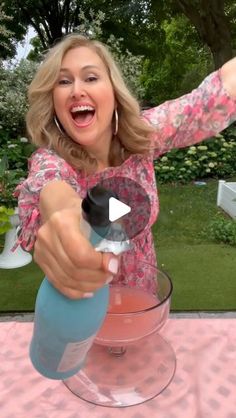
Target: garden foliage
[(14, 146), (13, 168), (223, 230)]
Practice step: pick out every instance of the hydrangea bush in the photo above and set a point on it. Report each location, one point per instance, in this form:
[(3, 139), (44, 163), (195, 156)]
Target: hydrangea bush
[(214, 157)]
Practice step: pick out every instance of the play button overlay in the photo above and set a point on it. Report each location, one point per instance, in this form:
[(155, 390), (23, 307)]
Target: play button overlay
[(128, 207), (117, 209)]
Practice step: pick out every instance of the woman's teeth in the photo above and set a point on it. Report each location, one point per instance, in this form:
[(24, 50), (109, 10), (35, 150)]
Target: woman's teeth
[(82, 114)]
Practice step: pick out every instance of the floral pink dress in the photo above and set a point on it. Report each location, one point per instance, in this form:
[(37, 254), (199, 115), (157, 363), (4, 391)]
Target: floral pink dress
[(202, 113)]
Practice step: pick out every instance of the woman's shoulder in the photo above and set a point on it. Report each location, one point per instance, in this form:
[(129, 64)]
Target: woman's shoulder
[(44, 158), (45, 153)]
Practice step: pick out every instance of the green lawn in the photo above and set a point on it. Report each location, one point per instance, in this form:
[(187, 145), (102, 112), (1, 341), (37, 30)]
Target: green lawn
[(18, 288), (203, 272)]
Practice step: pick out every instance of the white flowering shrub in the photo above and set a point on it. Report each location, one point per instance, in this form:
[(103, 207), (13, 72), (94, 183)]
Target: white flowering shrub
[(14, 147), (5, 34), (13, 101), (214, 157)]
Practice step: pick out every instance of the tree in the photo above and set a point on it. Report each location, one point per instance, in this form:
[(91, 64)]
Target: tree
[(50, 19), (214, 21), (183, 67), (140, 23), (137, 21), (212, 25), (130, 20), (8, 35), (147, 27)]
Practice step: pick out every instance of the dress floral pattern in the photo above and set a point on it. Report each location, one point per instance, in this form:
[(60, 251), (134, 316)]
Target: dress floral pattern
[(178, 123)]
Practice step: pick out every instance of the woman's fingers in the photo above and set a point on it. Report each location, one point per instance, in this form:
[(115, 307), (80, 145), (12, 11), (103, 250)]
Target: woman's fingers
[(70, 279), (72, 254), (69, 260), (82, 253), (84, 285)]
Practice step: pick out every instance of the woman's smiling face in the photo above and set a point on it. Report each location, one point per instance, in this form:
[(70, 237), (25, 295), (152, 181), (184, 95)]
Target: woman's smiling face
[(84, 99)]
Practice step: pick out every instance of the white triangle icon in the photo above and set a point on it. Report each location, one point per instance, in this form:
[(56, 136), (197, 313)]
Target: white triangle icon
[(117, 209)]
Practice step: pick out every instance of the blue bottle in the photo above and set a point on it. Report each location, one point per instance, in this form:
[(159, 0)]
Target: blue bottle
[(64, 329)]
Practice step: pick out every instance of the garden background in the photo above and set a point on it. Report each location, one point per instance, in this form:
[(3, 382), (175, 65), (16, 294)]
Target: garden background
[(165, 49)]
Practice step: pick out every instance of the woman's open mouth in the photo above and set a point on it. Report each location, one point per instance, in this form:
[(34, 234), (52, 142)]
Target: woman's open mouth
[(82, 115)]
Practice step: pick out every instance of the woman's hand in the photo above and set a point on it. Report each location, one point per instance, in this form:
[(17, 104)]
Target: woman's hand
[(68, 259)]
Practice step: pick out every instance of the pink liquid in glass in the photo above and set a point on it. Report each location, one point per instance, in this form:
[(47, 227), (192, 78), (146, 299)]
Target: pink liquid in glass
[(132, 314)]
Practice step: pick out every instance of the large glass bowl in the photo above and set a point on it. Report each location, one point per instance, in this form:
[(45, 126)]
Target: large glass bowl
[(129, 362)]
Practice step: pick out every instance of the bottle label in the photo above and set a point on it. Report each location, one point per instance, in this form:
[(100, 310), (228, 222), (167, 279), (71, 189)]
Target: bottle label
[(74, 354)]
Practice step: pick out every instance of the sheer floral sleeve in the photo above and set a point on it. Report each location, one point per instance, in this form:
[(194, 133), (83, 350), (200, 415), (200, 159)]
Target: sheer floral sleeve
[(205, 111), (44, 166)]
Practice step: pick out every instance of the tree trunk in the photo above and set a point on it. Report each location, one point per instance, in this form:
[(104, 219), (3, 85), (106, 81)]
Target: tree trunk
[(221, 53), (212, 25)]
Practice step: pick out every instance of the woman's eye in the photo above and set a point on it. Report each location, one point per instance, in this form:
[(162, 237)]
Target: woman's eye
[(64, 81), (91, 78)]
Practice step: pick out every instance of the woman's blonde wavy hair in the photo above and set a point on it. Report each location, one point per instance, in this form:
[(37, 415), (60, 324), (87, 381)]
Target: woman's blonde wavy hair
[(133, 136)]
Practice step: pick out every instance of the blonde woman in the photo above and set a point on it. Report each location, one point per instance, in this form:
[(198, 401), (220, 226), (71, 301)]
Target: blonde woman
[(88, 127)]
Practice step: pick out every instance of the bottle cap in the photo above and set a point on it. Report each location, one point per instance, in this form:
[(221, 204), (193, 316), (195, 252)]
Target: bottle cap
[(96, 206)]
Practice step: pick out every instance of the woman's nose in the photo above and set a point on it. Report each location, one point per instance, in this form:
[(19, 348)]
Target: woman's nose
[(77, 90)]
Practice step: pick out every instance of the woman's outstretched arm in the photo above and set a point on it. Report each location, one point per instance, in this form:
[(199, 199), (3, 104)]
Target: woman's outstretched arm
[(201, 114)]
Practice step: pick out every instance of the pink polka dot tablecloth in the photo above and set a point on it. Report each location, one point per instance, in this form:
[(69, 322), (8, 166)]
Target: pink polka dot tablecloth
[(204, 384)]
